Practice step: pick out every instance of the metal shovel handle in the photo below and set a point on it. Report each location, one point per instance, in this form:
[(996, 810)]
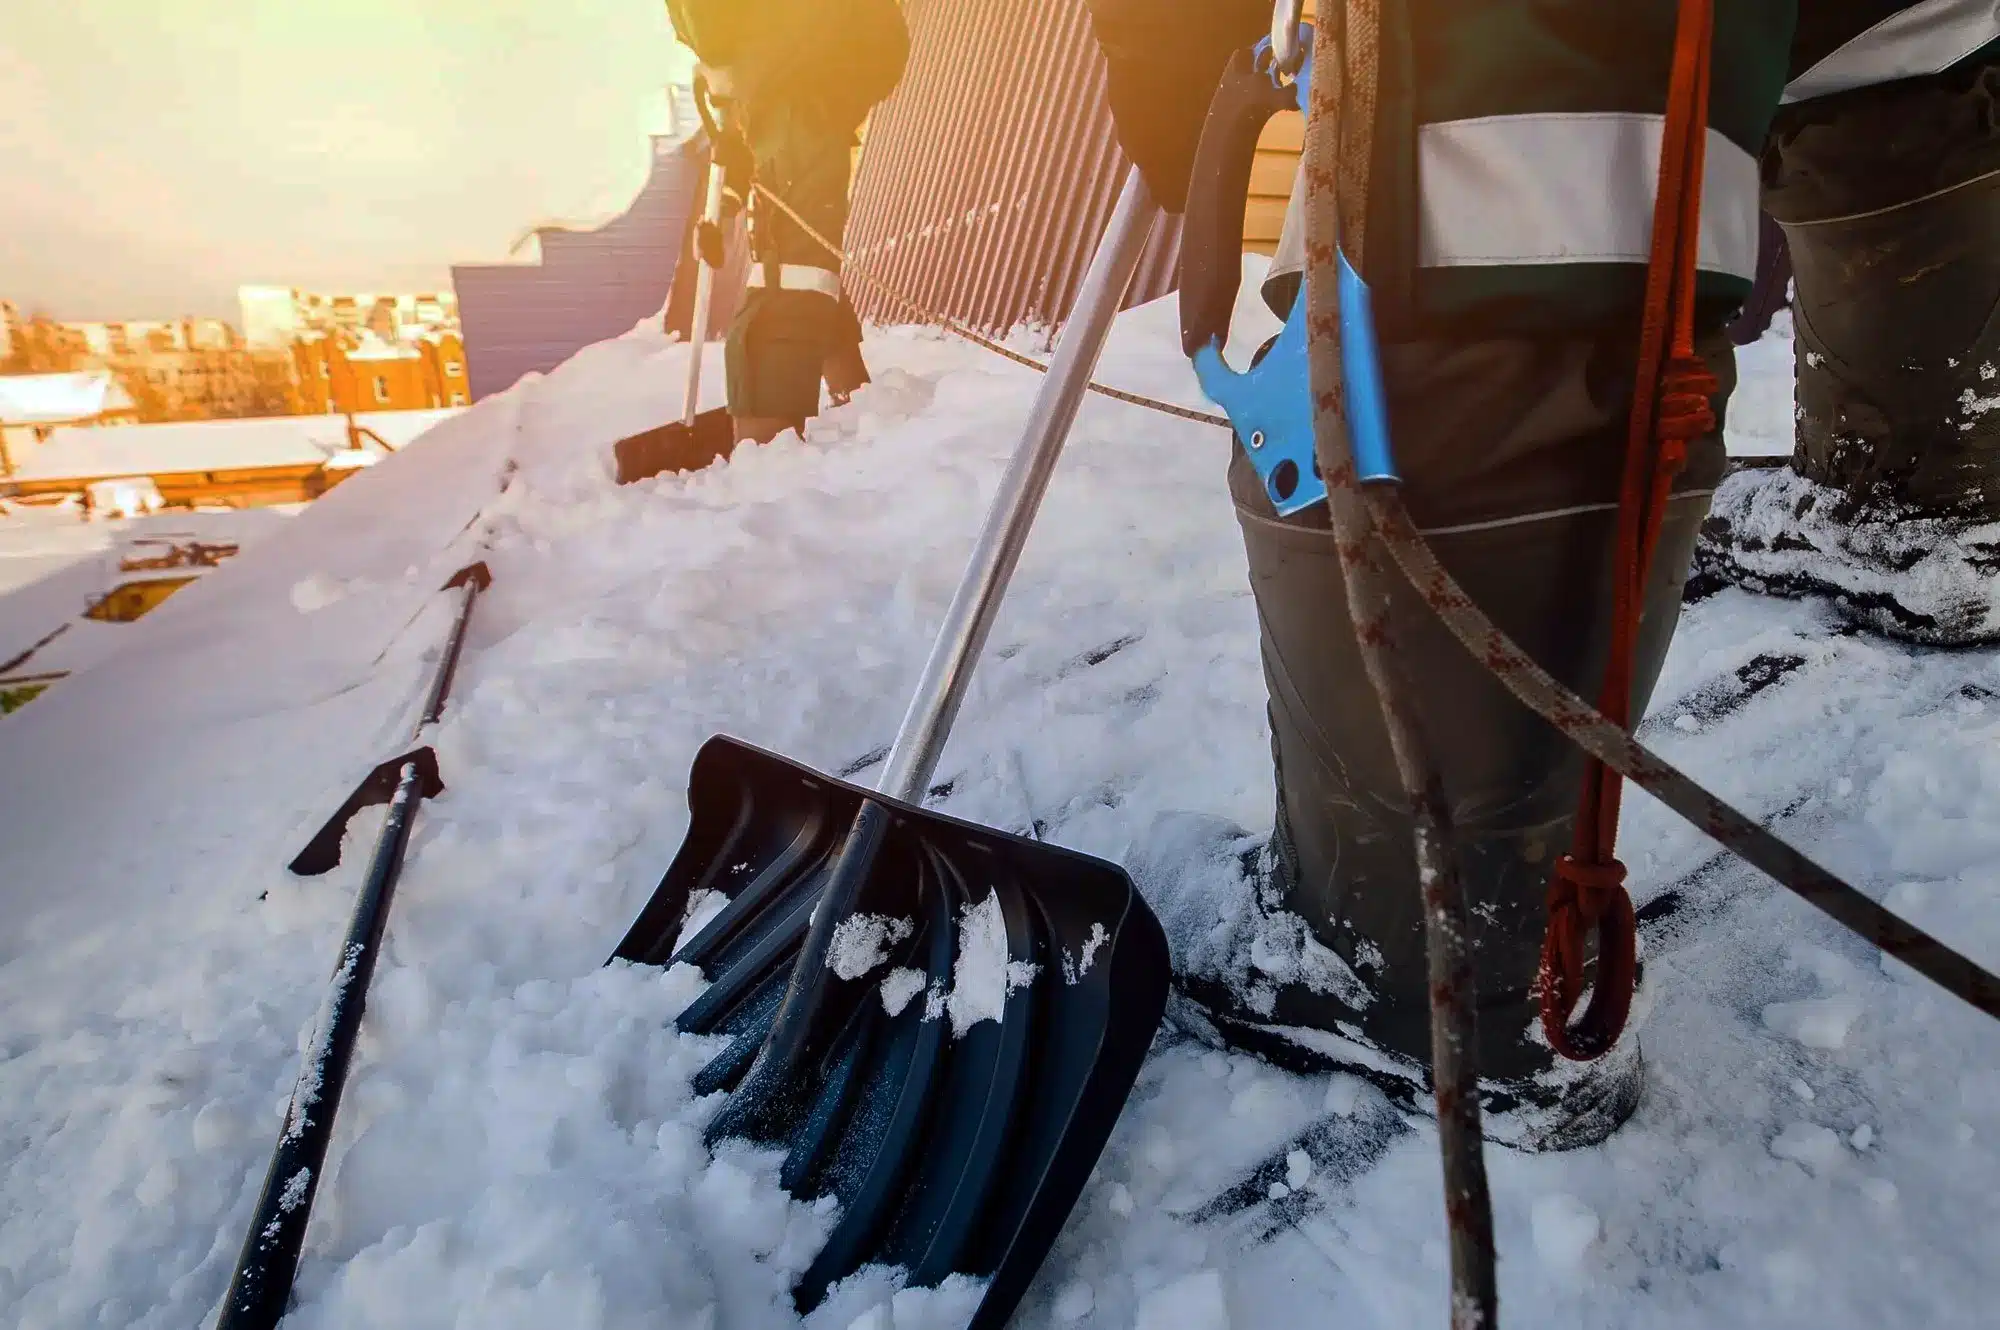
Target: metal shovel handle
[(920, 740), (770, 1087), (704, 298), (704, 276)]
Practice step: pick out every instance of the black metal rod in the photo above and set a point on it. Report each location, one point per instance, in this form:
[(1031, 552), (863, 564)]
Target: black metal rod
[(261, 1287), (470, 583)]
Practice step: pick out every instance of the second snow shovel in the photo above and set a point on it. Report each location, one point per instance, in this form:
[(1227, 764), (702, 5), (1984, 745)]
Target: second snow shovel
[(698, 437), (936, 1021)]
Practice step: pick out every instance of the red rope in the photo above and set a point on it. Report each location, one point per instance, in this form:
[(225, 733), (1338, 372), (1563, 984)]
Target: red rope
[(1670, 407)]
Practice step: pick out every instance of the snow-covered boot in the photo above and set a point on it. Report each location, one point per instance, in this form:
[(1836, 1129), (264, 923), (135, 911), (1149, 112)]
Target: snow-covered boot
[(1310, 950), (1890, 201)]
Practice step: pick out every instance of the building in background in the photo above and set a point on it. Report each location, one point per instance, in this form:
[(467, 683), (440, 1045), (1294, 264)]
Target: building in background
[(216, 463), (274, 317), (181, 369), (335, 373)]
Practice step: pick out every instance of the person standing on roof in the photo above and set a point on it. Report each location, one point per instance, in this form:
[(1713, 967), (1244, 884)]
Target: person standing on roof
[(1509, 230), (797, 78)]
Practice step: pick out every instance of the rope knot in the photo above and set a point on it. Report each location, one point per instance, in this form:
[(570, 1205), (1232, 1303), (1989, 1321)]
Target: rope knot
[(1686, 387), (1587, 898), (1586, 888)]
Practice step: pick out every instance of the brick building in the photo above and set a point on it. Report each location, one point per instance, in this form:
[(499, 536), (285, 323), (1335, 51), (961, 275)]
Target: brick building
[(337, 373), (274, 317)]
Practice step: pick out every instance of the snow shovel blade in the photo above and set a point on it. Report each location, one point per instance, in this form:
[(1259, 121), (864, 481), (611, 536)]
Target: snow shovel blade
[(675, 447), (964, 1083)]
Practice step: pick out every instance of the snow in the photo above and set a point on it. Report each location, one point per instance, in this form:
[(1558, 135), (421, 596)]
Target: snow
[(861, 943), (1815, 1022), (1075, 967), (53, 565), (1760, 410), (1564, 1229), (1194, 1302), (1816, 1147), (78, 452), (1925, 579), (48, 399), (982, 976), (519, 1145), (898, 987)]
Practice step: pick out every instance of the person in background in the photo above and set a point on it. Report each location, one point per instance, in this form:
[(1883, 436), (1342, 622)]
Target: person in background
[(797, 79)]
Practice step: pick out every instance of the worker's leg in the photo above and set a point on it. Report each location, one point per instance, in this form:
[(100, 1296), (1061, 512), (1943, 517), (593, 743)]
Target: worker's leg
[(1890, 201), (787, 330), (1512, 452)]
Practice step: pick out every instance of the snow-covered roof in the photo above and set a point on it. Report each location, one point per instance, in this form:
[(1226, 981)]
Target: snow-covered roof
[(52, 565), (374, 348), (54, 399), (524, 1145), (84, 453)]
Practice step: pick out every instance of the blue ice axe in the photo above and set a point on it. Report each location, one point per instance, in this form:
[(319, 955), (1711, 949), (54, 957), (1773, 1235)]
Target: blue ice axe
[(1270, 404)]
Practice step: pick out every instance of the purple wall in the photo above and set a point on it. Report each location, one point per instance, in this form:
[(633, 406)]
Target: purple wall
[(589, 286)]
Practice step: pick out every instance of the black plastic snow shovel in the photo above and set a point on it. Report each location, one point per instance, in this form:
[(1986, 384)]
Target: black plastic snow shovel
[(261, 1287), (698, 438), (937, 1022)]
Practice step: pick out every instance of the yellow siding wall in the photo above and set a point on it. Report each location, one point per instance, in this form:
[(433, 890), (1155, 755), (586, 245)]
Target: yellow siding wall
[(1271, 179)]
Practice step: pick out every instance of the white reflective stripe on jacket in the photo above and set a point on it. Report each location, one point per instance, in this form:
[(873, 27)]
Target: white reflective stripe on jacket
[(797, 277), (1556, 188)]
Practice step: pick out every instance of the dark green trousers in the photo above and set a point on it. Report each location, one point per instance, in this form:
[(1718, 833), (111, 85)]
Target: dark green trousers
[(1512, 452), (1890, 200), (780, 339)]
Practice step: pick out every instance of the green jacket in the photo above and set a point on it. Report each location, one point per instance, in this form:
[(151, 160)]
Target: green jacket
[(833, 58), (1526, 182)]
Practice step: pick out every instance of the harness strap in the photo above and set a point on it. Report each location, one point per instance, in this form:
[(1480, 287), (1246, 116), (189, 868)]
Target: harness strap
[(795, 277)]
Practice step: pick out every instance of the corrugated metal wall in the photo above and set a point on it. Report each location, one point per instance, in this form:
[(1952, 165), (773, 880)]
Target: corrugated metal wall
[(990, 175), (1271, 180)]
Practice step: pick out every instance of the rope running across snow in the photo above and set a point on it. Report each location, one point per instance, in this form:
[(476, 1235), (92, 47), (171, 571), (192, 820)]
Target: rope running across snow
[(953, 326)]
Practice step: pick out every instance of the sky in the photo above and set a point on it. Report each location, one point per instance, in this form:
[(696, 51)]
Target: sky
[(156, 154)]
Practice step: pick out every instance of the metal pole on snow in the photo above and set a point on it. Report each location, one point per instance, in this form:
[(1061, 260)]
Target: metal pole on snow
[(261, 1287)]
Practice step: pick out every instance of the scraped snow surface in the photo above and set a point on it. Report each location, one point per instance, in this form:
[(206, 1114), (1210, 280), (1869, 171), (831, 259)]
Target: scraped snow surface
[(519, 1145)]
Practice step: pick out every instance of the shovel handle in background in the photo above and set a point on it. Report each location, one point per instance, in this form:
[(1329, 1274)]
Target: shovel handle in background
[(261, 1287), (920, 739), (704, 272)]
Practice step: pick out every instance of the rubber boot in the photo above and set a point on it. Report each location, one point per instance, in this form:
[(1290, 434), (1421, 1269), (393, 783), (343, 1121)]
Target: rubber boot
[(1310, 950), (1890, 203)]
